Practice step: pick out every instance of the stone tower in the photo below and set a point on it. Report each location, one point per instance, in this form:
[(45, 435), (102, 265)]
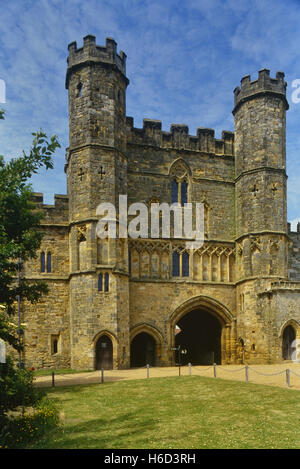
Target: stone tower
[(96, 172), (116, 303), (261, 215)]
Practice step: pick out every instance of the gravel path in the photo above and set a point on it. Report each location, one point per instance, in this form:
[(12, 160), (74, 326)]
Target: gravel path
[(273, 375)]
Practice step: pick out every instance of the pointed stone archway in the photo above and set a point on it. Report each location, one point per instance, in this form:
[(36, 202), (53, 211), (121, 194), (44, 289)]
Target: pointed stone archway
[(288, 342), (105, 351), (142, 350), (289, 338), (207, 332), (145, 346), (199, 338)]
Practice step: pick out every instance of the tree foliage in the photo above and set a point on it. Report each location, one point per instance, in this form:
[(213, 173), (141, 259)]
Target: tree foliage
[(16, 388), (20, 231)]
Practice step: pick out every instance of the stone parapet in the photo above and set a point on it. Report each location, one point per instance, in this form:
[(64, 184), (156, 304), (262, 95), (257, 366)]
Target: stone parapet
[(179, 138), (90, 52), (263, 85), (57, 213)]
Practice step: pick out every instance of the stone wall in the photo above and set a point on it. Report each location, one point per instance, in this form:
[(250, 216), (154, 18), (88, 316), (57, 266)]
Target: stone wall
[(47, 321), (157, 306)]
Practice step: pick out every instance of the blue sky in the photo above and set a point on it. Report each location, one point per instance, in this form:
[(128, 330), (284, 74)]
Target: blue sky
[(184, 59)]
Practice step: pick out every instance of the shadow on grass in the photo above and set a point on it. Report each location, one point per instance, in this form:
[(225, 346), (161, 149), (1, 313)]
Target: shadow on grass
[(100, 433)]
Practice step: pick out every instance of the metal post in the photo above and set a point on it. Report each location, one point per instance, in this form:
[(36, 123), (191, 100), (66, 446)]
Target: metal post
[(288, 383), (190, 369), (179, 370), (53, 383), (102, 375), (215, 370), (147, 371), (247, 375)]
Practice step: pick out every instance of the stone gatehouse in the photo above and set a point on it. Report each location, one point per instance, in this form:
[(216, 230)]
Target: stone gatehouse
[(128, 302)]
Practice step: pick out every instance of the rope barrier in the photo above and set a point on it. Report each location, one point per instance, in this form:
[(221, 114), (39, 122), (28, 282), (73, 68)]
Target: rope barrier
[(201, 369), (231, 371), (130, 369), (167, 371), (267, 374), (177, 370)]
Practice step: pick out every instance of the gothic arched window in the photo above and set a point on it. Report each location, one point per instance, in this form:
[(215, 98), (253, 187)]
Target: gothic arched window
[(49, 267), (176, 264), (185, 264), (100, 282), (180, 177), (106, 282), (180, 264), (43, 265), (174, 189), (184, 192), (103, 282)]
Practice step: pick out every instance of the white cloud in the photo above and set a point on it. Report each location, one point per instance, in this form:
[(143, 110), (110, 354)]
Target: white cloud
[(183, 60)]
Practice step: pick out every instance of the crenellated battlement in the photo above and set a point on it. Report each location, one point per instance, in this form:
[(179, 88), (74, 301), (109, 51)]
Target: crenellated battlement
[(294, 232), (179, 138), (57, 213), (90, 52), (263, 85)]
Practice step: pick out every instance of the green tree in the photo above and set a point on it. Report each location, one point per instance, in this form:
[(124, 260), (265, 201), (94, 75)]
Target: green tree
[(20, 231)]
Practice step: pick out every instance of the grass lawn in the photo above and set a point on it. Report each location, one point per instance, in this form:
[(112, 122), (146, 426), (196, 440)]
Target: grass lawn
[(176, 413)]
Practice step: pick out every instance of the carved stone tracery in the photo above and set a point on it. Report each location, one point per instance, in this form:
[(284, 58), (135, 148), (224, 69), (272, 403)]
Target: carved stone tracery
[(211, 262)]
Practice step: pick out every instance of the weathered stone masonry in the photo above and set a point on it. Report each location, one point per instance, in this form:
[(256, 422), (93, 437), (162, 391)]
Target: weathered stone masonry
[(117, 303)]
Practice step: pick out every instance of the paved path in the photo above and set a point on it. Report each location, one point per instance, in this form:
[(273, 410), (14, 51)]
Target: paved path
[(276, 374)]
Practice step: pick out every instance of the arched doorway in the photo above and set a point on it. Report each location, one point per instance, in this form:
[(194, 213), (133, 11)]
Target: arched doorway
[(288, 347), (241, 351), (142, 350), (200, 336), (104, 353)]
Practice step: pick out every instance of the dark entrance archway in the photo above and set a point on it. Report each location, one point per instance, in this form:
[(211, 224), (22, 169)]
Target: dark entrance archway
[(200, 336), (142, 350), (288, 337), (104, 353)]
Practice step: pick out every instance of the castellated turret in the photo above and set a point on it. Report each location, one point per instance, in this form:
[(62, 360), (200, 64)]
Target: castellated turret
[(96, 81), (259, 112), (261, 218), (96, 84), (96, 170), (260, 191)]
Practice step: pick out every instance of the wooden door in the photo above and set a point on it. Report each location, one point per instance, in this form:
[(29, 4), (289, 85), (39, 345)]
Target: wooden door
[(104, 353)]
